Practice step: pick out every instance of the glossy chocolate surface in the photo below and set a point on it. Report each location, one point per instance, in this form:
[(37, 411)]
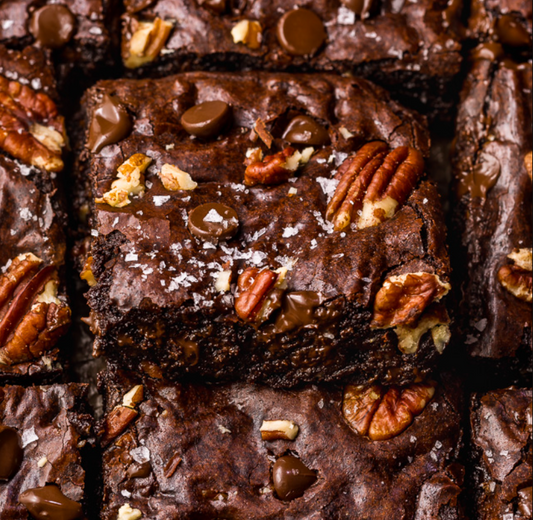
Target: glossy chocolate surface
[(301, 32), (206, 119), (305, 130), (53, 25), (49, 503), (11, 452), (213, 222), (210, 461)]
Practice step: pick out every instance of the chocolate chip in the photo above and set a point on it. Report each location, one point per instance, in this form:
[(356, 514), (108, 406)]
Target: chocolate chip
[(48, 503), (305, 130), (512, 32), (213, 222), (291, 477), (53, 25), (218, 6), (206, 119), (360, 7), (191, 350), (139, 470), (301, 32), (488, 51), (110, 123), (11, 452)]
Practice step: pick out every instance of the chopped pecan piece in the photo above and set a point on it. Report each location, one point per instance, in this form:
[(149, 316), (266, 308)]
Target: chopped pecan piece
[(130, 181), (122, 415), (528, 161), (146, 42), (87, 273), (32, 318), (382, 413), (248, 32), (374, 184), (280, 429), (261, 130), (402, 299), (517, 278), (174, 179), (275, 169), (31, 129)]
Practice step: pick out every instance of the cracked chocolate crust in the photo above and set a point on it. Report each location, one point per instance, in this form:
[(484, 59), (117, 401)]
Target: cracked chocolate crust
[(417, 42), (54, 428), (155, 301), (501, 454), (493, 212), (206, 457)]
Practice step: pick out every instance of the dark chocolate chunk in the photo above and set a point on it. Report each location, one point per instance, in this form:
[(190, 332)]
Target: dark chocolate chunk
[(484, 176), (213, 221), (511, 32), (206, 119), (140, 470), (305, 130), (291, 477), (301, 32), (110, 123), (359, 7), (11, 452), (49, 503), (53, 25)]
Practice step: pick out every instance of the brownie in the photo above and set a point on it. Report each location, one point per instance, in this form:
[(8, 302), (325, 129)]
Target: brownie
[(43, 431), (78, 33), (492, 172), (501, 454), (33, 307), (211, 276), (413, 48), (191, 451)]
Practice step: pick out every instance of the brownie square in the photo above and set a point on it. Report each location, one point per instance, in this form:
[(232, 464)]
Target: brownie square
[(79, 34), (33, 307), (191, 451), (273, 291), (501, 454), (492, 173), (412, 48), (43, 430)]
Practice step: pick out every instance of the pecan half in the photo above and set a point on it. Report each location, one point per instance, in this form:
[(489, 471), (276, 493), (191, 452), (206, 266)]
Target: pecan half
[(32, 318), (374, 184), (146, 42), (254, 286), (402, 299), (31, 128), (122, 415), (517, 278), (382, 413), (277, 168)]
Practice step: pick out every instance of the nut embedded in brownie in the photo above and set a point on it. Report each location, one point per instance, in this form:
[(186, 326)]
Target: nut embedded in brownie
[(33, 308), (43, 430), (501, 454), (492, 171), (275, 227), (413, 48), (194, 451)]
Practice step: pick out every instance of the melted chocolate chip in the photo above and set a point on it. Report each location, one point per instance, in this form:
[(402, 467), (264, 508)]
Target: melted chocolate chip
[(206, 119), (512, 32), (140, 470), (218, 6), (488, 51), (11, 452), (48, 503), (305, 130), (359, 7), (110, 123), (483, 177), (291, 477), (213, 222), (301, 32), (53, 25)]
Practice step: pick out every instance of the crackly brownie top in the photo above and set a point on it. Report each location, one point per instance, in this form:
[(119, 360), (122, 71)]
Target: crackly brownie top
[(205, 451), (501, 432), (493, 183), (162, 256), (41, 432), (323, 34), (53, 25)]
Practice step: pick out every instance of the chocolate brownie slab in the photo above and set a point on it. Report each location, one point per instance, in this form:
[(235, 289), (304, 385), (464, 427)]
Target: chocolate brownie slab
[(492, 170), (42, 432), (242, 451), (321, 258), (413, 48), (501, 454), (33, 308)]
